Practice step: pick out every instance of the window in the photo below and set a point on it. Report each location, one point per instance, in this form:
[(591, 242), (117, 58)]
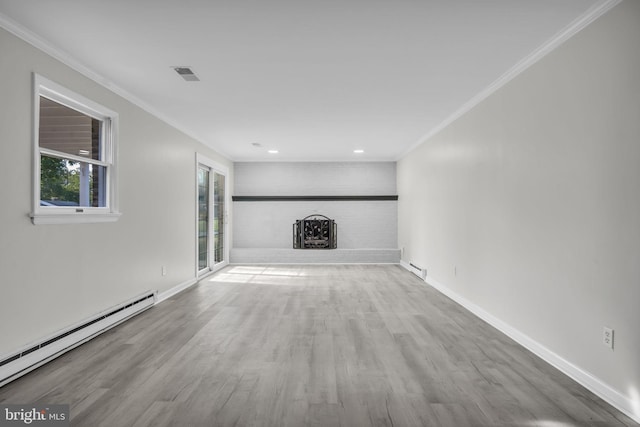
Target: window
[(74, 163)]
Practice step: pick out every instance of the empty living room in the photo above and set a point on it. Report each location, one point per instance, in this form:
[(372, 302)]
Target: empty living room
[(297, 213)]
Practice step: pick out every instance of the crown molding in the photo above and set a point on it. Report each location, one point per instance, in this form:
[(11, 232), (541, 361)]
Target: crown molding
[(593, 13), (67, 59)]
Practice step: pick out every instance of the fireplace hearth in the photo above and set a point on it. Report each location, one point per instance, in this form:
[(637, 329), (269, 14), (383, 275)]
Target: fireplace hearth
[(315, 232)]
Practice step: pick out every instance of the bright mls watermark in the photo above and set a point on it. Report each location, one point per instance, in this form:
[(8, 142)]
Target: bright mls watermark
[(34, 415)]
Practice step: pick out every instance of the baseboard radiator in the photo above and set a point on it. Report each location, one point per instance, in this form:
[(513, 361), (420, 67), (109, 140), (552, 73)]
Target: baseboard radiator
[(19, 363), (421, 273)]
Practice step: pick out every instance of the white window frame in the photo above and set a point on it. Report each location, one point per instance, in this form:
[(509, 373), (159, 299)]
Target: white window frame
[(75, 214)]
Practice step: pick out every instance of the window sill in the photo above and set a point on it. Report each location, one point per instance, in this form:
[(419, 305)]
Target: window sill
[(74, 218)]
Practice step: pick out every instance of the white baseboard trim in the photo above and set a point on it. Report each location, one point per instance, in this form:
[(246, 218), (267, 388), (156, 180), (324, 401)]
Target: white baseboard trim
[(162, 296), (165, 295), (623, 403)]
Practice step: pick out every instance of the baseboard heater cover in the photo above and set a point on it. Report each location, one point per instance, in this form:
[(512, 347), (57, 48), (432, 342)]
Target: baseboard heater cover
[(15, 365), (421, 273)]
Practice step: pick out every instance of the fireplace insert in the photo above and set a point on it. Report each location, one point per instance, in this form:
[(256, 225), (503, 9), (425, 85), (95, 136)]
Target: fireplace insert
[(315, 232)]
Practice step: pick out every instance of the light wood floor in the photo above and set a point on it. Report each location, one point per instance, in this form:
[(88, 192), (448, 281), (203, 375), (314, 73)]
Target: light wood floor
[(309, 346)]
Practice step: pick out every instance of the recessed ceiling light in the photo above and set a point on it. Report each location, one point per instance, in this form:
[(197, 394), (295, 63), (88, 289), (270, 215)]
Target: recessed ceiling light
[(273, 151), (358, 151)]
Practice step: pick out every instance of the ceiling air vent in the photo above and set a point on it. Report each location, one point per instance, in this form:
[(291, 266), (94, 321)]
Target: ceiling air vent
[(187, 74)]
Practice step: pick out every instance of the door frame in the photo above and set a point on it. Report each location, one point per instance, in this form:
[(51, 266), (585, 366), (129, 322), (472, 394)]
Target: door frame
[(214, 167)]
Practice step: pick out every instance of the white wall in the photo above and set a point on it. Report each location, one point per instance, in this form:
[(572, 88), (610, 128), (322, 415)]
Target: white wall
[(315, 178), (361, 224), (533, 198), (52, 276)]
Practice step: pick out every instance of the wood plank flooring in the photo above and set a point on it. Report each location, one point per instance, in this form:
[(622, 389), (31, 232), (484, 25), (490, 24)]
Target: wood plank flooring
[(350, 345)]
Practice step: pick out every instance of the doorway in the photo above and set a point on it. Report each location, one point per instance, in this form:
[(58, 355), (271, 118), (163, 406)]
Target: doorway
[(212, 253)]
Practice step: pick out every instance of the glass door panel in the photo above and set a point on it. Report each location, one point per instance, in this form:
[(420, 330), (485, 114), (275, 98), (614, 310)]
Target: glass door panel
[(218, 217), (203, 218), (211, 250)]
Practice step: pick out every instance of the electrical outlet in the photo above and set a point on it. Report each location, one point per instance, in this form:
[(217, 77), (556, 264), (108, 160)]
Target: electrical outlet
[(607, 337), (164, 270)]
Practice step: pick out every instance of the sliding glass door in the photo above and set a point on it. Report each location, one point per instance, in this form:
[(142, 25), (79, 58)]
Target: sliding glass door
[(218, 217), (212, 250), (203, 218)]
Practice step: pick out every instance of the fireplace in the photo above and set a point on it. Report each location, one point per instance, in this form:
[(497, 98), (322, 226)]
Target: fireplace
[(315, 232)]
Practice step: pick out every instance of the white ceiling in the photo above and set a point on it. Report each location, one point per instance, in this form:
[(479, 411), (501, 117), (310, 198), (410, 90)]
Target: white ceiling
[(312, 79)]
